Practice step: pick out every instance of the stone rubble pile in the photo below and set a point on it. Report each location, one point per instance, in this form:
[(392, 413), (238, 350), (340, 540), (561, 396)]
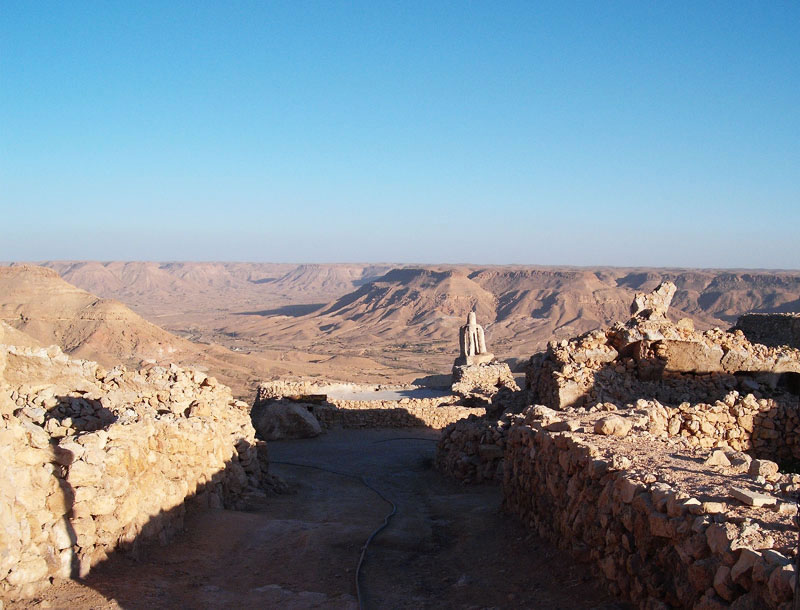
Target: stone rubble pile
[(650, 356), (92, 461)]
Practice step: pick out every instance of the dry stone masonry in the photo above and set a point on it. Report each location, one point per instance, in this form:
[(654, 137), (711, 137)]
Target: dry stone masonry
[(774, 329), (275, 400), (650, 356), (93, 460), (655, 456)]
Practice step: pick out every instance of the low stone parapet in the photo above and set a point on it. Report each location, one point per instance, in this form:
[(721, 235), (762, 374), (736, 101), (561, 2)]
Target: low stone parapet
[(433, 413), (472, 449)]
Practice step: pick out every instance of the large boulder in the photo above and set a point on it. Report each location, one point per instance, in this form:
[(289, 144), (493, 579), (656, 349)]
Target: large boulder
[(279, 420)]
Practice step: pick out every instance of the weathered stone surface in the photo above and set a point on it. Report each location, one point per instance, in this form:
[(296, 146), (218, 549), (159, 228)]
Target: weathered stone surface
[(782, 583), (752, 498), (280, 420), (762, 468), (774, 330), (655, 303), (747, 558), (482, 379), (690, 356), (717, 458), (472, 343), (612, 425)]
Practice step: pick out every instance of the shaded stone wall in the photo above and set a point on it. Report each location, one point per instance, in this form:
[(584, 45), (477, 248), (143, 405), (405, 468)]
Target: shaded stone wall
[(472, 449), (772, 329)]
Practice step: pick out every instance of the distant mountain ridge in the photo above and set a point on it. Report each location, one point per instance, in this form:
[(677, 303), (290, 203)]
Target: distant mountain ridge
[(409, 315)]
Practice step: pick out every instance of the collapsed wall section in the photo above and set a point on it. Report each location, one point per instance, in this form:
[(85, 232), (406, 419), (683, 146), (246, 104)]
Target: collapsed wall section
[(92, 461)]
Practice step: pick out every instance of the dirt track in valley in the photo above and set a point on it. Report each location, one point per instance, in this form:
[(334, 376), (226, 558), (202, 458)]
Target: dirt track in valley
[(448, 546)]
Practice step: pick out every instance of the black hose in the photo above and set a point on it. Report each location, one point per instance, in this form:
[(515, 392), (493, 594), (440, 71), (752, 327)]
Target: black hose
[(362, 480)]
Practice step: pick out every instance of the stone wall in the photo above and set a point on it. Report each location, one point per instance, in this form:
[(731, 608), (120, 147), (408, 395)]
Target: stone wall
[(92, 461), (653, 543), (774, 329), (767, 428), (472, 449), (433, 413), (279, 388), (649, 356)]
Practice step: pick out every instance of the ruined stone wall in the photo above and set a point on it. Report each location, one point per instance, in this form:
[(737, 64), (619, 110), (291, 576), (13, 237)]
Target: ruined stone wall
[(472, 449), (773, 329), (279, 388), (92, 461), (767, 428), (433, 413), (652, 543)]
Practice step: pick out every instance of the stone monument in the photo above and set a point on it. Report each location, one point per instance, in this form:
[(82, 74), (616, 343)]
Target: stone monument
[(475, 372), (472, 341)]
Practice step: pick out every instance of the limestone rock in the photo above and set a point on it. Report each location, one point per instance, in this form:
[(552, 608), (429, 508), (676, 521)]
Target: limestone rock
[(282, 420), (717, 458), (762, 468), (753, 498), (612, 425), (655, 304)]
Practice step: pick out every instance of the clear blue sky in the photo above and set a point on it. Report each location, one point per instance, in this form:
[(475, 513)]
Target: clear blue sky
[(613, 133)]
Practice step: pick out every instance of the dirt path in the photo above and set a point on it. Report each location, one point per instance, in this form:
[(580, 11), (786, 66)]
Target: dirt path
[(448, 546)]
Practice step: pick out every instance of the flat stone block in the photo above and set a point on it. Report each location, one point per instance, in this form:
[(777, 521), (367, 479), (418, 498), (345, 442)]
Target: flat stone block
[(752, 498)]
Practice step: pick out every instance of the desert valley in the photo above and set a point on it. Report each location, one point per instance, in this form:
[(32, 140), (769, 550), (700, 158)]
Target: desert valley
[(318, 382), (399, 305), (378, 323)]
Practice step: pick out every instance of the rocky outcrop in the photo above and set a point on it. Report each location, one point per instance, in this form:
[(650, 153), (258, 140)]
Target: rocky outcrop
[(95, 460)]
